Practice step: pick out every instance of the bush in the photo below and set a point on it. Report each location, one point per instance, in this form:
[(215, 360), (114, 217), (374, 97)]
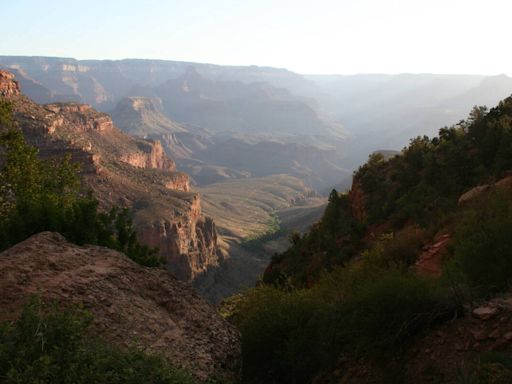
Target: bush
[(366, 308), (49, 344), (404, 248), (483, 244), (380, 315), (276, 336)]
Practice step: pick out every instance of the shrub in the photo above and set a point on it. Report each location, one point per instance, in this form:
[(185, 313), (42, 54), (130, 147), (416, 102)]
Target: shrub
[(483, 245), (382, 314), (404, 248), (362, 309), (277, 338), (49, 344)]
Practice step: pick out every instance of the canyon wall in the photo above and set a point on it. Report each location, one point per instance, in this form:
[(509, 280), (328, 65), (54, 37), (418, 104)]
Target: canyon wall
[(125, 171)]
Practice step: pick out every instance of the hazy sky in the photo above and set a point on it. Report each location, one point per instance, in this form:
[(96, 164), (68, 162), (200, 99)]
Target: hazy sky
[(313, 36)]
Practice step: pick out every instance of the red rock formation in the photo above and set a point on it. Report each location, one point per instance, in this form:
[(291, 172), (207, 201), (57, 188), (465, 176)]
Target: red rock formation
[(152, 155), (8, 86), (178, 181), (83, 117), (189, 243), (356, 196)]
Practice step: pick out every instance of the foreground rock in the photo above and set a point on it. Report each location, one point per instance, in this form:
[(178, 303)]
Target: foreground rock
[(131, 304)]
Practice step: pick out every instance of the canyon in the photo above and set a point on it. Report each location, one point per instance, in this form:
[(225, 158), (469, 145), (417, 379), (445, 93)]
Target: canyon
[(121, 170)]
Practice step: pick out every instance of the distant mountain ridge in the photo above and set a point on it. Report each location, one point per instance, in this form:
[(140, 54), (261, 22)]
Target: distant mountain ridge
[(104, 82), (385, 111), (245, 110), (209, 116)]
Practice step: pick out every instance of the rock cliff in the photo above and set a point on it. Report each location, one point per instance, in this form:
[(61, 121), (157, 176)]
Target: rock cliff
[(8, 86), (131, 305), (122, 170), (191, 242), (154, 157)]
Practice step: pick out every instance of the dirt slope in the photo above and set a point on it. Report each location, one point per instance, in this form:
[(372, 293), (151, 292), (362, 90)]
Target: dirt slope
[(131, 304)]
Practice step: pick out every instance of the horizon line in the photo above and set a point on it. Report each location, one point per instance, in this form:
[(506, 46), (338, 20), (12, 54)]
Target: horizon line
[(260, 66)]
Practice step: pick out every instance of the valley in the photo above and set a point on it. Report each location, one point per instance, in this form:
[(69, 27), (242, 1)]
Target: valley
[(225, 176), (254, 142), (254, 218)]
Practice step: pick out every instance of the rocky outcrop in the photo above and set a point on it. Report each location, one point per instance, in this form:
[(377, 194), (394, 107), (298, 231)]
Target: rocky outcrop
[(189, 242), (151, 155), (8, 86), (473, 194), (178, 181), (83, 116), (68, 107), (131, 305), (356, 196)]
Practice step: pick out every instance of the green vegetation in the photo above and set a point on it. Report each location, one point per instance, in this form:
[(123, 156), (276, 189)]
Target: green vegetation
[(345, 289), (425, 182), (420, 188), (48, 344), (483, 245), (44, 195), (364, 309), (274, 230), (241, 206), (331, 242)]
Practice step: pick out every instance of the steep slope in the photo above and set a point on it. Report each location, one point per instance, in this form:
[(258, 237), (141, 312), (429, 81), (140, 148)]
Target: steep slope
[(127, 172), (391, 192), (377, 111), (393, 283), (131, 305)]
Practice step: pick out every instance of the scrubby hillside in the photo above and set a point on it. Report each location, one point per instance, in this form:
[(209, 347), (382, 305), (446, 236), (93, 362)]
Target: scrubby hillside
[(130, 305), (420, 240)]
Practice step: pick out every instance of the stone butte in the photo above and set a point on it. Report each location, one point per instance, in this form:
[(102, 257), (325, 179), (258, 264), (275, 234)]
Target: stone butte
[(125, 171)]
